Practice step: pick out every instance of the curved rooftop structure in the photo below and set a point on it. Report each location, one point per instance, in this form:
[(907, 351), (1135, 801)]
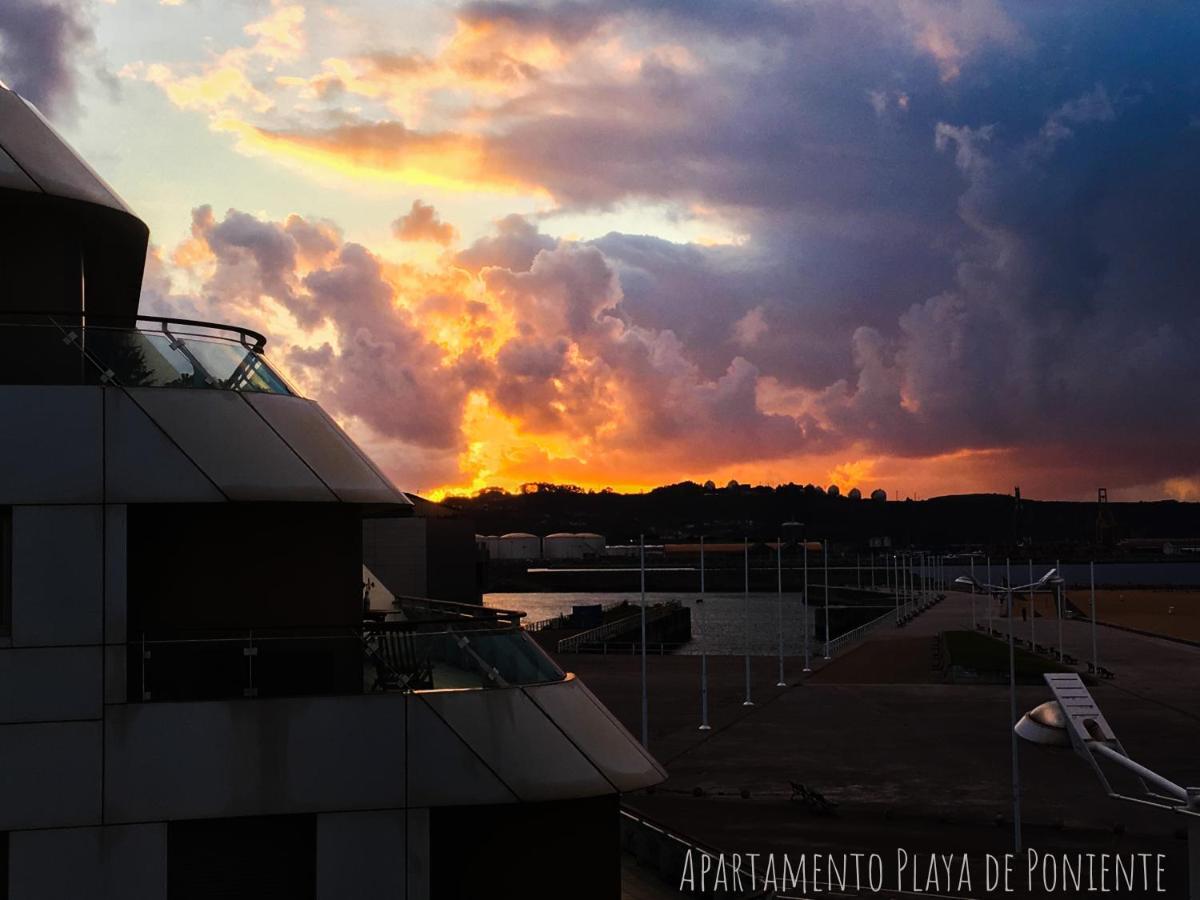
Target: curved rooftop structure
[(67, 242)]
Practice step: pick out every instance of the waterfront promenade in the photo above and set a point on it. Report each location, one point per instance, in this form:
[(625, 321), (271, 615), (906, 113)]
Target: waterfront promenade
[(910, 761)]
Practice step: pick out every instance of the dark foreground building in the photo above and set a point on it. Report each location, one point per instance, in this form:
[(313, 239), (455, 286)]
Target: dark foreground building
[(193, 700)]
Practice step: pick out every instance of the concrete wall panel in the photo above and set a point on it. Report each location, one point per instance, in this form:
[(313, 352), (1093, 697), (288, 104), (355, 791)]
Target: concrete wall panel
[(520, 743), (361, 854), (238, 451), (49, 775), (442, 770), (56, 577), (597, 733), (260, 757), (49, 684), (116, 863), (142, 464), (51, 447), (318, 440)]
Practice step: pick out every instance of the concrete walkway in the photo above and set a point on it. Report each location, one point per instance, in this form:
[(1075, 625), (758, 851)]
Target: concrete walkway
[(914, 764)]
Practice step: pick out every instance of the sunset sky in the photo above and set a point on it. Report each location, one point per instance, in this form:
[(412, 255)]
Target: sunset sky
[(923, 245)]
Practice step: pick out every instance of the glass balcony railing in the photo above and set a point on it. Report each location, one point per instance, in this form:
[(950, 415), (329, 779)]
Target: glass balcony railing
[(422, 645), (142, 351)]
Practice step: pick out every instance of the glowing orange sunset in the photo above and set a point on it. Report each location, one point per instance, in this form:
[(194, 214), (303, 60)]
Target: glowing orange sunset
[(623, 245)]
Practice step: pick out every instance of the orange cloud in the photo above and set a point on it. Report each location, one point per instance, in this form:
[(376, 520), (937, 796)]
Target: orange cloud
[(385, 151)]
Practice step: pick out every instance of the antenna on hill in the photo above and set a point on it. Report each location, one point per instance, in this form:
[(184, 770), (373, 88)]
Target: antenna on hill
[(1105, 524)]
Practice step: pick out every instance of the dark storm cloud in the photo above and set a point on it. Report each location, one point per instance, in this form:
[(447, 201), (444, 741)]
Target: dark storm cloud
[(41, 42), (966, 226), (1002, 259)]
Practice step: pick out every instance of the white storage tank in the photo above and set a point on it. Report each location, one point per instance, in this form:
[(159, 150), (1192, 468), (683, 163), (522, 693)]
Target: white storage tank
[(595, 543), (518, 545), (561, 545)]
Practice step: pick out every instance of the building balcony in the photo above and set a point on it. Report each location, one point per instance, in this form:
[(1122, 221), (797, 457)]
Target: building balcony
[(423, 645), (133, 351)]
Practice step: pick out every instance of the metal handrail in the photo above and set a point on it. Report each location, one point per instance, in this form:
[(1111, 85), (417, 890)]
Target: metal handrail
[(849, 637), (77, 315), (472, 610), (600, 632)]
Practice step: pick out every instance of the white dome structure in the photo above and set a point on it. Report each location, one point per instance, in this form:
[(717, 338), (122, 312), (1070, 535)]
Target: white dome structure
[(595, 543), (563, 546), (518, 545)]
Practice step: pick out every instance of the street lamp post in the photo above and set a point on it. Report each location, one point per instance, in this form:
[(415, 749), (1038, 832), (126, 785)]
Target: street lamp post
[(1008, 589), (896, 593), (1012, 709), (1073, 719), (704, 726), (1061, 648), (1095, 652), (825, 548), (974, 624), (1032, 611), (807, 636), (990, 604), (746, 594), (645, 693), (779, 576)]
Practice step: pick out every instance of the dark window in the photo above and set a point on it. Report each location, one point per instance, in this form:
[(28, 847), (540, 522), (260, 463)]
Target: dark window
[(578, 850), (263, 858), (244, 600), (5, 571)]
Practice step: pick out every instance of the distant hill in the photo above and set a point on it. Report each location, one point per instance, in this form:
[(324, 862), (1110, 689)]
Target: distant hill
[(681, 512)]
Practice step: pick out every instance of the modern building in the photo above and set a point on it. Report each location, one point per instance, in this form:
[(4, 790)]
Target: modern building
[(193, 700), (432, 553)]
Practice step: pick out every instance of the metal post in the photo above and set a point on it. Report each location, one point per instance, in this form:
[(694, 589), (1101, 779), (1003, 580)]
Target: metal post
[(908, 583), (858, 569), (974, 624), (1032, 611), (825, 548), (1095, 652), (1193, 836), (872, 570), (1059, 592), (746, 594), (1012, 715), (896, 593), (990, 598), (807, 636), (779, 574), (704, 726), (645, 695)]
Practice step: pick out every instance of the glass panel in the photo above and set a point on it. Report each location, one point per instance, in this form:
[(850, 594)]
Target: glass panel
[(233, 367), (140, 360)]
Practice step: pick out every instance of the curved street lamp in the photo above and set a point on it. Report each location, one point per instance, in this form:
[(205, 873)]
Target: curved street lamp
[(1051, 578), (1073, 719)]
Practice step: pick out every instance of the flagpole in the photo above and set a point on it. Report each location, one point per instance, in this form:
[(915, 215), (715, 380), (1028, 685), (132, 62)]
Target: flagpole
[(645, 695), (746, 594), (704, 726)]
